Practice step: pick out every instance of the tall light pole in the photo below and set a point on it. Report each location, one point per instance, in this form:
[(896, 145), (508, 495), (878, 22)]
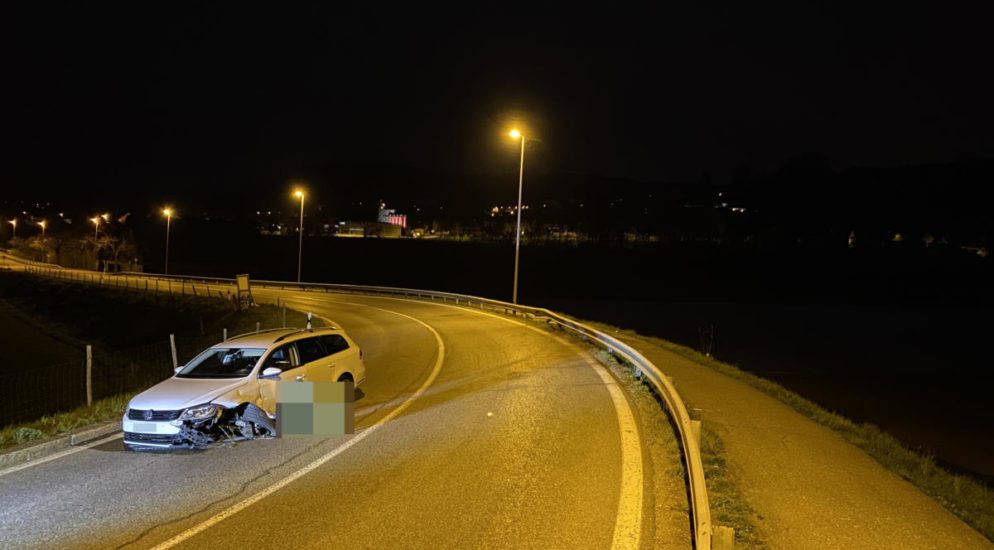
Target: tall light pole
[(516, 134), (300, 249), (96, 226), (13, 233), (168, 213), (42, 224)]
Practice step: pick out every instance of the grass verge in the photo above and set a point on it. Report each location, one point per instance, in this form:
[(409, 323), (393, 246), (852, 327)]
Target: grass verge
[(729, 507), (967, 498), (662, 460), (103, 410)]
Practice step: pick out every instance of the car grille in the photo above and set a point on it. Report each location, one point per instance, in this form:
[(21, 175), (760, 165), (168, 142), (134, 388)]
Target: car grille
[(161, 439), (138, 414)]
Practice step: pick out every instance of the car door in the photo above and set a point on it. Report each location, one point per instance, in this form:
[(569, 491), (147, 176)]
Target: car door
[(284, 357), (314, 360)]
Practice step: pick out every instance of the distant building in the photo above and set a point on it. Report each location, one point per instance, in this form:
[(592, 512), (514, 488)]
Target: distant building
[(390, 216)]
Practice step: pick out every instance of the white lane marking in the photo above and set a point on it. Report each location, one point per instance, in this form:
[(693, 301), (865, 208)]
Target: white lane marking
[(628, 525), (238, 507), (60, 454)]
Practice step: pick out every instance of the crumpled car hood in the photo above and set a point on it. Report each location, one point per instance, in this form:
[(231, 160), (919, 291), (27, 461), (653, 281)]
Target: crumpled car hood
[(179, 393)]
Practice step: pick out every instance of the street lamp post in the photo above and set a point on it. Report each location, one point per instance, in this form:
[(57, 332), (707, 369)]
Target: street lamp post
[(168, 212), (300, 248), (517, 236), (42, 224), (13, 232), (96, 226)]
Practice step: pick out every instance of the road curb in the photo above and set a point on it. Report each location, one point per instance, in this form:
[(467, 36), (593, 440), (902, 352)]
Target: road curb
[(40, 449)]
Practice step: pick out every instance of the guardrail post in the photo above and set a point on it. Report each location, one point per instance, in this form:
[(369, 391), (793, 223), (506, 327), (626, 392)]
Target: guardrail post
[(89, 375), (723, 538), (172, 348), (695, 430), (224, 334), (284, 316), (257, 326)]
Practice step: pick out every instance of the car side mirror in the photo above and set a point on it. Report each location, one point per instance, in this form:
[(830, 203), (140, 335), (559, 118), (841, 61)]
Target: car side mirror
[(271, 372), (179, 368)]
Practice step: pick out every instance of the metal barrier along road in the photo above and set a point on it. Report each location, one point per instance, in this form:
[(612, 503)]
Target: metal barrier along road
[(688, 429)]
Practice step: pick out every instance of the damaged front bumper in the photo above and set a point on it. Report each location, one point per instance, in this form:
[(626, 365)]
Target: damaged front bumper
[(245, 422)]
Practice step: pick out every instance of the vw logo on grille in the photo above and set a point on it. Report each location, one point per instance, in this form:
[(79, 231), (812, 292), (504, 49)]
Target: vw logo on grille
[(148, 414)]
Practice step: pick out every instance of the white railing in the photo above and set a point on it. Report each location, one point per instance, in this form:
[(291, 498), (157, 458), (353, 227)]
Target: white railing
[(688, 430)]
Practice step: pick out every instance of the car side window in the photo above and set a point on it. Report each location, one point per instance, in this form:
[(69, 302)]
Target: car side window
[(310, 350), (281, 358), (334, 343)]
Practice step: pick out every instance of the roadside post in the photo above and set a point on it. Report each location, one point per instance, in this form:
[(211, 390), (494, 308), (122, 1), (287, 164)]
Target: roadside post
[(89, 375), (172, 347)]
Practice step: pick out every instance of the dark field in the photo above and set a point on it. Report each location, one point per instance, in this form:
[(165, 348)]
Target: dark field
[(894, 335), (23, 345)]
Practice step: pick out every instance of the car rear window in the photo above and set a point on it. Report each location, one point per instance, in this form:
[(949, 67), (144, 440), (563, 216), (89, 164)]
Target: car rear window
[(334, 343)]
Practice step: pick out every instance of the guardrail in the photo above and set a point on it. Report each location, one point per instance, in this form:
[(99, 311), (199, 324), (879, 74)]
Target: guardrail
[(688, 429)]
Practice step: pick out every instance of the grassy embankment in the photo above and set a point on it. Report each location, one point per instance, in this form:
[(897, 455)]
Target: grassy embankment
[(113, 321), (971, 500)]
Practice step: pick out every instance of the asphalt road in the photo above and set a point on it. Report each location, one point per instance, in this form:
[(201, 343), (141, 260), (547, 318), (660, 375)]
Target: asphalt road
[(474, 430)]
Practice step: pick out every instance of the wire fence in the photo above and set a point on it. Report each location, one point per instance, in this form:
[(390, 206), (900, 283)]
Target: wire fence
[(31, 393), (139, 283)]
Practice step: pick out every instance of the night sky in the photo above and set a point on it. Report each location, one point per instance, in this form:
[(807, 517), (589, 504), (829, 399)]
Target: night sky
[(142, 95)]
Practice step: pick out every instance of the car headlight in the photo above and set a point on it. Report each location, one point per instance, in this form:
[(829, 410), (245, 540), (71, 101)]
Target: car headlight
[(199, 412)]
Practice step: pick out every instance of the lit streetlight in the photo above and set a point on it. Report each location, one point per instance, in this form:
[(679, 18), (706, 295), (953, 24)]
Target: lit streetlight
[(13, 234), (96, 226), (299, 193), (168, 213), (42, 225), (516, 134)]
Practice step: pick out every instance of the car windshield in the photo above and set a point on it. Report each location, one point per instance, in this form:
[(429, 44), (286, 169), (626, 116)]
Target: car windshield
[(222, 363)]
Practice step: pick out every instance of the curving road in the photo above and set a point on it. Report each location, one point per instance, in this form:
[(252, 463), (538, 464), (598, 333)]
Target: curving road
[(474, 430)]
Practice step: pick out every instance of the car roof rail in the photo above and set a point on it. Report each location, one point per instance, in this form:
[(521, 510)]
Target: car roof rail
[(263, 331), (308, 331)]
